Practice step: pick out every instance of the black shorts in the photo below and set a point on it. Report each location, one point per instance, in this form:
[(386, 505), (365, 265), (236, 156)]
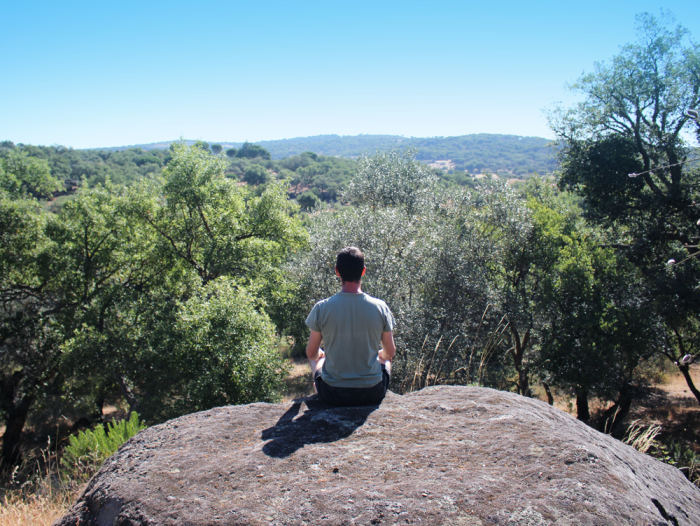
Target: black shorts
[(352, 396)]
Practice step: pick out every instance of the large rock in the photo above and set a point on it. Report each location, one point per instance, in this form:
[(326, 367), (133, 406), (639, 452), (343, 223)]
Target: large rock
[(460, 456)]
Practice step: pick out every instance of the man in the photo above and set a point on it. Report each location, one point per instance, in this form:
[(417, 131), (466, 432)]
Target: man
[(352, 370)]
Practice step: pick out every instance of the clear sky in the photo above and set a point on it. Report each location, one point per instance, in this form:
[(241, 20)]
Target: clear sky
[(97, 74)]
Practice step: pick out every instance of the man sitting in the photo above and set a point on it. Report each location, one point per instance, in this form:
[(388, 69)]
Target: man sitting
[(352, 370)]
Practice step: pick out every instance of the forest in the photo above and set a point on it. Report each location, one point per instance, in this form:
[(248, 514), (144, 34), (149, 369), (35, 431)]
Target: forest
[(476, 153), (320, 173), (167, 281)]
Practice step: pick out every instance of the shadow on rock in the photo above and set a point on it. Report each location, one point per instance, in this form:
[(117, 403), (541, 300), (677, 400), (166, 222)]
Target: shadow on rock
[(321, 423)]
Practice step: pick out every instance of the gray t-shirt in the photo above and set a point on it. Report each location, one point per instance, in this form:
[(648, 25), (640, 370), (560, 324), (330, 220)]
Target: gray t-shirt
[(352, 327)]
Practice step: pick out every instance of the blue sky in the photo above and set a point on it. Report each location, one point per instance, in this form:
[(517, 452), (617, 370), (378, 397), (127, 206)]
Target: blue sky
[(93, 74)]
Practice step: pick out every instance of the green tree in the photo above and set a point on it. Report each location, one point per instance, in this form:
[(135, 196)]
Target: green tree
[(256, 175), (251, 151), (216, 148), (231, 153), (596, 328), (29, 338), (390, 179), (308, 201), (58, 270), (138, 291), (23, 175), (624, 150)]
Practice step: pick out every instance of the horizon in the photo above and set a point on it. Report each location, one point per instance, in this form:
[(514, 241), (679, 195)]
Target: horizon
[(88, 75), (232, 143)]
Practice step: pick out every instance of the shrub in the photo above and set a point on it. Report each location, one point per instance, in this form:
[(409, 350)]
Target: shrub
[(88, 449)]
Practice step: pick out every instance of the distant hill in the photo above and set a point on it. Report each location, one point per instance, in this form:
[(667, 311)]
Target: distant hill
[(505, 154)]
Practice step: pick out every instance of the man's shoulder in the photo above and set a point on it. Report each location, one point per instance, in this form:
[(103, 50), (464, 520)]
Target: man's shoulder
[(375, 301)]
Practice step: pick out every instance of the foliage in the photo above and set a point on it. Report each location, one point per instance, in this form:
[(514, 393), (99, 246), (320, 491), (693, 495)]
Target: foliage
[(255, 175), (390, 179), (477, 153), (88, 450), (30, 290), (22, 175), (624, 150), (94, 297), (251, 151), (95, 166), (428, 265), (308, 201)]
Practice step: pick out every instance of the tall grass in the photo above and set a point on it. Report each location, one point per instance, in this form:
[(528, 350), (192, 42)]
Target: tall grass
[(641, 437), (37, 492), (42, 488)]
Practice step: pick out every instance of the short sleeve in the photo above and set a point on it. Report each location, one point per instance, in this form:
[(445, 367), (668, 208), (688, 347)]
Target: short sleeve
[(389, 321), (312, 319)]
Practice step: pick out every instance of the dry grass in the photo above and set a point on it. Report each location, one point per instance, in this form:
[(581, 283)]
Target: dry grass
[(641, 437), (37, 492), (298, 383), (40, 510)]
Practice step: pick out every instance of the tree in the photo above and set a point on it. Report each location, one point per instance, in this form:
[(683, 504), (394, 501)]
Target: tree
[(256, 175), (22, 175), (528, 235), (159, 292), (308, 201), (624, 150), (28, 338), (390, 179), (597, 330), (216, 148), (251, 151), (61, 269), (231, 153)]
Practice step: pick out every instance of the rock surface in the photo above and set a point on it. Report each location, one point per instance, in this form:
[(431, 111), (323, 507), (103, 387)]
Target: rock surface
[(461, 456)]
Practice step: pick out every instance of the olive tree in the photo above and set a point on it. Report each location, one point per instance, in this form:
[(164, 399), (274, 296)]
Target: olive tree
[(426, 257)]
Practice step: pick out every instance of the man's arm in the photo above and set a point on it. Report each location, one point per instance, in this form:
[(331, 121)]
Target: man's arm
[(312, 349), (388, 347)]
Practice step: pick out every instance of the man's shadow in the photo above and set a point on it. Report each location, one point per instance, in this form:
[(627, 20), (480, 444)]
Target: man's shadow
[(321, 423)]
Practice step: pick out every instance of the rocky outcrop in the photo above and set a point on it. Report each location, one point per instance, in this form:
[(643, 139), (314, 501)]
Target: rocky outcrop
[(460, 456)]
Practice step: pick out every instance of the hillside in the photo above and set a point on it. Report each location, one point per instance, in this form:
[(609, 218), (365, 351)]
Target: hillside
[(474, 153)]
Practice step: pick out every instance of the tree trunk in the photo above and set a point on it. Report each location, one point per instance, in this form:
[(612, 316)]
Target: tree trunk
[(685, 369), (611, 420), (582, 412), (518, 359), (550, 398), (14, 425), (128, 393)]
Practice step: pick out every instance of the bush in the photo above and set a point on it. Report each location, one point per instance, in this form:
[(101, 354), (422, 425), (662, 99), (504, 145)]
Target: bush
[(256, 175), (308, 201), (87, 450)]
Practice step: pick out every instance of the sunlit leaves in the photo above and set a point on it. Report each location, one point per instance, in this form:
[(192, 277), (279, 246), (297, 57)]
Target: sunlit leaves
[(21, 175), (391, 178)]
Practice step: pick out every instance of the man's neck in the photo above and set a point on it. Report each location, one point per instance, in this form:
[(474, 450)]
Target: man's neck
[(351, 287)]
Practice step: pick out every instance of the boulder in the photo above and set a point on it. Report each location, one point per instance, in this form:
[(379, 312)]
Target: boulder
[(462, 456)]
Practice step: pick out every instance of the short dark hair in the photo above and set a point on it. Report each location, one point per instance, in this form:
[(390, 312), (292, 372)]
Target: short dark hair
[(350, 263)]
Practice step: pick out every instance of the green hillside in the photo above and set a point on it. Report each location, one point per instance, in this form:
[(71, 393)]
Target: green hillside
[(476, 153)]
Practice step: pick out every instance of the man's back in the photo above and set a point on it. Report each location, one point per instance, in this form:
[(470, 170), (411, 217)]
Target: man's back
[(353, 370), (352, 327)]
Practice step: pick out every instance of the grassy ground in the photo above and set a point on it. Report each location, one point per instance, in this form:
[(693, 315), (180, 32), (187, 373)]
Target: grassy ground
[(36, 493), (298, 382), (35, 510)]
